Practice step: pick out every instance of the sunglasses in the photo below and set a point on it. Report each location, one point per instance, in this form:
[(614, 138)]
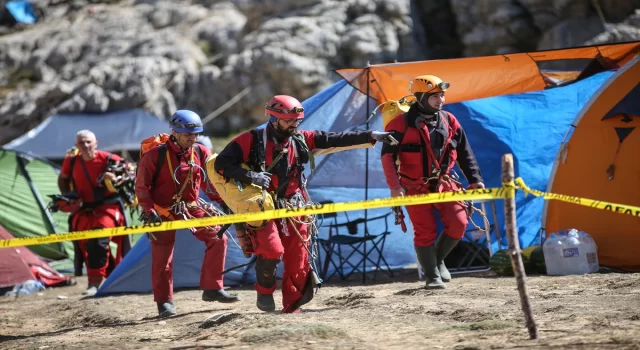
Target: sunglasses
[(292, 121)]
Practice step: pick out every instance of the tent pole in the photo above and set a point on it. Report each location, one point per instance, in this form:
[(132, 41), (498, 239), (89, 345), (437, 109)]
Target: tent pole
[(366, 179)]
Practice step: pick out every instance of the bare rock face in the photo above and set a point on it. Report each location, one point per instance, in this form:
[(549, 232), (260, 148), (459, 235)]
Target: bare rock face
[(291, 47), (488, 27), (161, 55), (220, 31), (111, 57), (571, 32), (628, 30), (618, 11)]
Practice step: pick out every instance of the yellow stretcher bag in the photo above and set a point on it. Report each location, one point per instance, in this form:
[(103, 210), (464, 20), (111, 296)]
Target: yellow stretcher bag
[(390, 109), (249, 199)]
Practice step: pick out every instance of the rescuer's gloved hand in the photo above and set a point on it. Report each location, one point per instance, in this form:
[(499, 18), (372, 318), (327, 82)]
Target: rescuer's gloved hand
[(151, 217), (383, 136), (262, 179)]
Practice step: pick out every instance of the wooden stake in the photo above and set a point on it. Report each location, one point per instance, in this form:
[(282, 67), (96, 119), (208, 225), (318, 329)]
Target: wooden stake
[(514, 244), (497, 229)]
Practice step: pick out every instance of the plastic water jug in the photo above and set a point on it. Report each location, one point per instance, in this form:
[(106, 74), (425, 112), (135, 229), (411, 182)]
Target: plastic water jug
[(570, 252), (574, 253), (552, 250), (591, 251)]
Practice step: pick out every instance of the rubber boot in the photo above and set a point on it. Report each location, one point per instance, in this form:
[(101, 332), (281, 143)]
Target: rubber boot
[(166, 309), (266, 303), (444, 246), (429, 263), (266, 278), (219, 295)]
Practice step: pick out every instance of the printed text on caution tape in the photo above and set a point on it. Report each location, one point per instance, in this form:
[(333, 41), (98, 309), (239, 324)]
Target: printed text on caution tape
[(478, 194), (592, 203)]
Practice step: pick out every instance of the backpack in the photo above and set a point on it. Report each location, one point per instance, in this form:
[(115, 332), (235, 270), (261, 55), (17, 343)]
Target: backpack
[(391, 109), (160, 140)]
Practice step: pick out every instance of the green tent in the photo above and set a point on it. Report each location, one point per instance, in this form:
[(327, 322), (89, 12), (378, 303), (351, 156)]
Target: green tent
[(25, 182)]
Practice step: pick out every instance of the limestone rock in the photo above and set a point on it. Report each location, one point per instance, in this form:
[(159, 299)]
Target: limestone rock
[(161, 55)]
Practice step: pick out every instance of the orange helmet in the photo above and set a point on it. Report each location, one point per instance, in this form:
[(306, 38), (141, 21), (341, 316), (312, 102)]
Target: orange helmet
[(284, 107), (428, 84)]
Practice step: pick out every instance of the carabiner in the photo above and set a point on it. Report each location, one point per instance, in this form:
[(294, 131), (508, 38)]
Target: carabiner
[(191, 165)]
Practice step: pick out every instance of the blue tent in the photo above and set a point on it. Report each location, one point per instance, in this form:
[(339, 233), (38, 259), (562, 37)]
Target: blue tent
[(115, 131), (530, 126), (22, 11), (133, 274)]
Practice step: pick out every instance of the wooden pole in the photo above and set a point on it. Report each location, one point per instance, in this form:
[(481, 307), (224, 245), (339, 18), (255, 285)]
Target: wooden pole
[(495, 220), (514, 245)]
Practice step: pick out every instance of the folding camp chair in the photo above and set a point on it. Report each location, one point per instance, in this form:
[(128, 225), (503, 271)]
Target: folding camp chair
[(361, 246), (474, 251)]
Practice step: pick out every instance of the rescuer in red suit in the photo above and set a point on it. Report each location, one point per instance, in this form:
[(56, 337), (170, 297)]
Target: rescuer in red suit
[(99, 208), (169, 179), (431, 140), (283, 239)]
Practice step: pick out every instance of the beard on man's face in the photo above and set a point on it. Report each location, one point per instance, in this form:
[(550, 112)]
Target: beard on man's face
[(288, 131)]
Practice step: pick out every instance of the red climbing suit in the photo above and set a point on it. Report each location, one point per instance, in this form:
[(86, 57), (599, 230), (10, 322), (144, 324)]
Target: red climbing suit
[(100, 209), (279, 238), (158, 195), (427, 153)]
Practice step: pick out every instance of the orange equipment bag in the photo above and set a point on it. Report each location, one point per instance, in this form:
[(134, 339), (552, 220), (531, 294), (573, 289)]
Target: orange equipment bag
[(153, 141)]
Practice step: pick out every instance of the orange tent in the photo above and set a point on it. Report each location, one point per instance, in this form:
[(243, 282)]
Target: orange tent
[(596, 144), (601, 161), (480, 77)]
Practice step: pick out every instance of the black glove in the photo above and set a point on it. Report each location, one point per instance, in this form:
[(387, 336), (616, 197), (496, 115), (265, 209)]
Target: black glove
[(262, 179), (151, 217)]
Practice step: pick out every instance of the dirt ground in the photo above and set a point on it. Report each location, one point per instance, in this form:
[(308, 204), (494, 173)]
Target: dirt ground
[(482, 311)]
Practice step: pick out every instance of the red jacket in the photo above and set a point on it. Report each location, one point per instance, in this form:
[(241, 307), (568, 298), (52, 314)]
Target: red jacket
[(445, 142), (86, 185), (228, 163), (165, 187)]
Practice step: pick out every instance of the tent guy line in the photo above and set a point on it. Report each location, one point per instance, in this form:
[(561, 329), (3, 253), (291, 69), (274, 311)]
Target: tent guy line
[(318, 208)]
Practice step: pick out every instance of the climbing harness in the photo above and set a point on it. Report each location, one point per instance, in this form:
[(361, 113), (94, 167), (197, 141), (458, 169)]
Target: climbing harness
[(181, 209), (298, 200), (440, 177)]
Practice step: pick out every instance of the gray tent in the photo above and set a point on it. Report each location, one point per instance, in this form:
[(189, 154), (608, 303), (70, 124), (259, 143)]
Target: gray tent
[(116, 131)]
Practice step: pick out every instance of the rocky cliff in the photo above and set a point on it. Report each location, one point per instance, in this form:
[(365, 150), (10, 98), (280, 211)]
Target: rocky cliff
[(94, 56)]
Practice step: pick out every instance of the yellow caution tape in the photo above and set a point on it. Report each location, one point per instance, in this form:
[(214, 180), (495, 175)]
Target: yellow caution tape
[(592, 203), (477, 194)]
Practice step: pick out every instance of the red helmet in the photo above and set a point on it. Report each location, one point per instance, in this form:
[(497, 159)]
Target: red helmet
[(284, 107)]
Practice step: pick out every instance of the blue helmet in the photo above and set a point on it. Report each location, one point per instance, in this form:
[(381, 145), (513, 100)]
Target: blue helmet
[(186, 121)]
